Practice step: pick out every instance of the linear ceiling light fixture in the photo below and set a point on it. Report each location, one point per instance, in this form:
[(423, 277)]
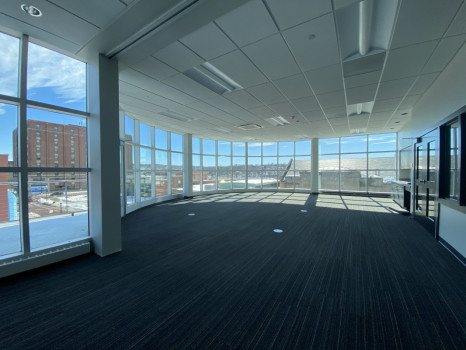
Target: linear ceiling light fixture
[(177, 116), (278, 121), (223, 130), (212, 78), (365, 20), (249, 126), (360, 109)]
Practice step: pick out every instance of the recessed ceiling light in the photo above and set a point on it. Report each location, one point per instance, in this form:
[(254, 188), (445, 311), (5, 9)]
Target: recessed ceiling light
[(396, 122), (31, 10), (303, 211), (312, 37), (191, 214), (405, 113), (277, 230)]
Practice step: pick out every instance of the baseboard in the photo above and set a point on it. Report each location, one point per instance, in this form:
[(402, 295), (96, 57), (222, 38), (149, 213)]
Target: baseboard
[(21, 263), (453, 250)]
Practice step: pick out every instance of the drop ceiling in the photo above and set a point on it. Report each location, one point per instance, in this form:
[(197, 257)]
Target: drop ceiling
[(293, 59)]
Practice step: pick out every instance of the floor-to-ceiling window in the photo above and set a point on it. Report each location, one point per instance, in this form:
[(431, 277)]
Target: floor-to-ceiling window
[(153, 162), (43, 147), (364, 163)]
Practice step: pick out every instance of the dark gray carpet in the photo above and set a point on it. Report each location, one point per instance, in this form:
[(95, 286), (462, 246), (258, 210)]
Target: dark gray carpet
[(351, 273)]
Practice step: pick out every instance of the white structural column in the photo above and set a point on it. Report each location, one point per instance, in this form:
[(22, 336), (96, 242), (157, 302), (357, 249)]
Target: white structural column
[(315, 165), (103, 150), (188, 165)]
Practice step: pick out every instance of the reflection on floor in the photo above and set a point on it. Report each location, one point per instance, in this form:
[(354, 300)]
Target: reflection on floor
[(334, 201)]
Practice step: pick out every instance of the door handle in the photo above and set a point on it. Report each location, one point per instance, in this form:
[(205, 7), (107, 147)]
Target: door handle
[(422, 181)]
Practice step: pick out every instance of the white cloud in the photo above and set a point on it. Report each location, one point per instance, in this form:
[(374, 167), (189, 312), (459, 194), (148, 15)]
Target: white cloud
[(9, 63), (66, 76)]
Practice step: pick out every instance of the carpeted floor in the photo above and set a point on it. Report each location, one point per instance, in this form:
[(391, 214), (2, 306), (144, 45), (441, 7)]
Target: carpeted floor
[(350, 273)]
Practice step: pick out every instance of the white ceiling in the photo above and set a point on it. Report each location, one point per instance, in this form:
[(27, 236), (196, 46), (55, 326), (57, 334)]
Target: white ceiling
[(286, 55)]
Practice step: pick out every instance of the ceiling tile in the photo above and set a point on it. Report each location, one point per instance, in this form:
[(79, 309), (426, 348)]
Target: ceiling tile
[(381, 117), (394, 88), (361, 94), (178, 56), (459, 24), (206, 108), (326, 79), (318, 52), (294, 87), (154, 68), (284, 109), (71, 27), (272, 57), (362, 79), (407, 61), (332, 99), (209, 42), (306, 104), (248, 23), (224, 104), (267, 93), (335, 112), (189, 86), (388, 105), (423, 83), (243, 99), (292, 12), (99, 13), (366, 64), (263, 112), (238, 67), (443, 54), (421, 20), (339, 121), (409, 102), (313, 116)]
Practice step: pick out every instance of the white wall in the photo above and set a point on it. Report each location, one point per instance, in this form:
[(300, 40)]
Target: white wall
[(445, 96), (452, 224)]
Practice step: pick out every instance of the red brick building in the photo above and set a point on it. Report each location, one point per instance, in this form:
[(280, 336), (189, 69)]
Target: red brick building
[(3, 189)]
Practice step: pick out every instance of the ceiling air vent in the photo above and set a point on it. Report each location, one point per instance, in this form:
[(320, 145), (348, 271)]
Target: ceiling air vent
[(358, 131), (249, 126)]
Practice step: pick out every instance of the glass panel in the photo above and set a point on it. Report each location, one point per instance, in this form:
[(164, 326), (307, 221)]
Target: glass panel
[(197, 173), (208, 146), (144, 135), (161, 139), (286, 179), (286, 148), (177, 161), (380, 180), (161, 183), (224, 162), (9, 134), (208, 163), (161, 160), (329, 168), (355, 161), (454, 160), (224, 179), (59, 141), (209, 180), (303, 147), (196, 145), (9, 65), (129, 156), (239, 148), (420, 160), (269, 180), (146, 185), (254, 149), (176, 142), (177, 182), (353, 180), (61, 199), (327, 146), (353, 144), (55, 78), (269, 149), (239, 179), (383, 160), (432, 161), (254, 179), (285, 163), (145, 158), (302, 174), (129, 128), (130, 188), (269, 164), (382, 142), (239, 163), (254, 163), (10, 236), (224, 148)]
